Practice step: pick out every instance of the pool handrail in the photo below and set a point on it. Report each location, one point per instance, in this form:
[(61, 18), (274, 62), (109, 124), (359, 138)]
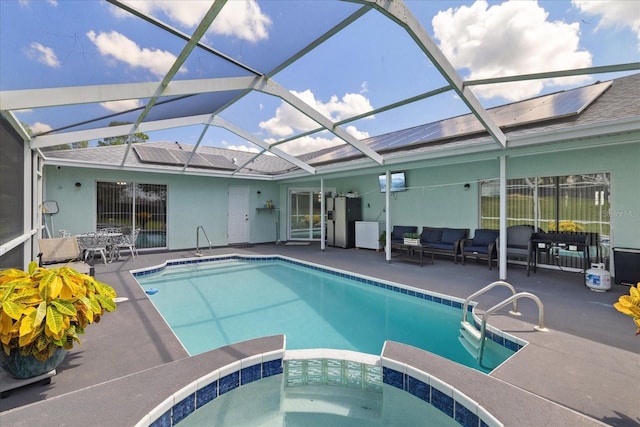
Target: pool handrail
[(490, 286), (198, 228), (513, 298)]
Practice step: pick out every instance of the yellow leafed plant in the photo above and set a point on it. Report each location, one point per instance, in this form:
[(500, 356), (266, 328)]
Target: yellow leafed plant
[(43, 309), (630, 305)]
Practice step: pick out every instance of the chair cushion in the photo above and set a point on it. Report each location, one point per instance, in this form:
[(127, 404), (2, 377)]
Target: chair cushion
[(485, 237), (431, 235), (59, 249), (484, 249), (450, 235), (442, 246), (519, 235), (399, 230)]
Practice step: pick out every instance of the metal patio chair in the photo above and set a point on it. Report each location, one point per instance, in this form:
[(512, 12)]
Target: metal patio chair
[(128, 241), (92, 243)]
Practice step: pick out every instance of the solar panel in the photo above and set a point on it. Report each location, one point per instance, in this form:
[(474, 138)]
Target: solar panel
[(218, 162), (549, 107), (554, 106), (170, 157), (155, 155)]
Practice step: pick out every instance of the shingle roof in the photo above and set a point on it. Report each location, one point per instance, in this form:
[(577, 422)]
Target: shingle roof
[(615, 100)]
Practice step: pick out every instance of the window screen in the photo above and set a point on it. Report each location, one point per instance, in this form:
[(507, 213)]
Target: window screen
[(134, 205)]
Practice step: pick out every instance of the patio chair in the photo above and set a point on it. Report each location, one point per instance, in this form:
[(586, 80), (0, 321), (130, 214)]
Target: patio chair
[(92, 243), (128, 241), (518, 242), (481, 246), (60, 252)]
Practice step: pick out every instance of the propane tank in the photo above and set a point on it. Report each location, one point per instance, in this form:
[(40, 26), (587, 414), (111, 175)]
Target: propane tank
[(597, 278)]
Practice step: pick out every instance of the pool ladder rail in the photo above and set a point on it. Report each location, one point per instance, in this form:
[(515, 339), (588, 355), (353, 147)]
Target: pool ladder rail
[(198, 251), (474, 340)]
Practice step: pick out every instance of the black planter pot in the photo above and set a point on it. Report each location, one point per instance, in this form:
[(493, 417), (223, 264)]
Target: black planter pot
[(21, 367)]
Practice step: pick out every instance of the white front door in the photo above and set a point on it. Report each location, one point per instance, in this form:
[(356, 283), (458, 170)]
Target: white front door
[(238, 214)]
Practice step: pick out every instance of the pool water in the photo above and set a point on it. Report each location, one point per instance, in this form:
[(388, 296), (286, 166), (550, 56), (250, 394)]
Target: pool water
[(210, 305), (267, 403)]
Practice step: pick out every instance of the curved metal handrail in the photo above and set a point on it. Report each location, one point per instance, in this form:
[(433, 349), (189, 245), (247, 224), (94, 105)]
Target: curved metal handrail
[(512, 298), (490, 286), (200, 227)]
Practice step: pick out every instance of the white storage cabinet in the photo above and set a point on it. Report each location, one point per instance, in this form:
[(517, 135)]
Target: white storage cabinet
[(367, 234)]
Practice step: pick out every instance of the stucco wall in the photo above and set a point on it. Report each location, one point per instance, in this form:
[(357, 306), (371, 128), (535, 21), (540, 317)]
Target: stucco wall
[(436, 194), (191, 201)]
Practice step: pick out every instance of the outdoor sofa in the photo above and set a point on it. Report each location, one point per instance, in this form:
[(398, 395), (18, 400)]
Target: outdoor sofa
[(442, 241)]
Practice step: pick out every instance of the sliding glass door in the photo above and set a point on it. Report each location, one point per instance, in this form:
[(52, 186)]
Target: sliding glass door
[(570, 204), (133, 205), (304, 214)]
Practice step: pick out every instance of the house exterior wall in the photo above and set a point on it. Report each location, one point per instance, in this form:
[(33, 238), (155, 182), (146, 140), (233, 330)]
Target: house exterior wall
[(622, 161), (191, 201), (436, 194)]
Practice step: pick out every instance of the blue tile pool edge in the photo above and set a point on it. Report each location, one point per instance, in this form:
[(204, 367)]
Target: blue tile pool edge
[(501, 338), (407, 378)]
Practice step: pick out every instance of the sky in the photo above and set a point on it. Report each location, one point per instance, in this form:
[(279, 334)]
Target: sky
[(372, 63)]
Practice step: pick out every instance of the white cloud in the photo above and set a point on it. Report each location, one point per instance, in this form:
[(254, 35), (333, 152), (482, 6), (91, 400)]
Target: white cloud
[(353, 131), (186, 12), (619, 14), (245, 148), (23, 3), (123, 105), (288, 120), (516, 38), (308, 144), (43, 54), (241, 19), (119, 47), (38, 128)]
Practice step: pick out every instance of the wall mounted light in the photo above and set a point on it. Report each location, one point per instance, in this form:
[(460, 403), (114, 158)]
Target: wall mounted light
[(78, 184), (258, 193), (467, 186)]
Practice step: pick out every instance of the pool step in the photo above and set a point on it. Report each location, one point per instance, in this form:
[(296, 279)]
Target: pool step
[(332, 402), (324, 419), (470, 338)]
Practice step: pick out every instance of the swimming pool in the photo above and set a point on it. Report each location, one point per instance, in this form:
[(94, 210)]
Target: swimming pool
[(216, 301), (318, 388)]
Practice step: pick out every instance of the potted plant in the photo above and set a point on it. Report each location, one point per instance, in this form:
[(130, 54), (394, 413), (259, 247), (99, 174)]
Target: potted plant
[(42, 313), (411, 239), (630, 305), (383, 238)]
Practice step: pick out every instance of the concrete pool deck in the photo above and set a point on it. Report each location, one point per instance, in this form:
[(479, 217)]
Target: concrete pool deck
[(584, 371)]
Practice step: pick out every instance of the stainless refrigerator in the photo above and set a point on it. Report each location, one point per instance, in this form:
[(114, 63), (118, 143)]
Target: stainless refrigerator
[(342, 214)]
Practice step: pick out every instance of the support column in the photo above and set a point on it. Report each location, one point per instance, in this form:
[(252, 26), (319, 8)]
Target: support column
[(503, 218)]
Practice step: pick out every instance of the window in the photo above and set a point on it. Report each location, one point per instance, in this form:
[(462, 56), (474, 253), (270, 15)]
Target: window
[(134, 205), (571, 203)]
